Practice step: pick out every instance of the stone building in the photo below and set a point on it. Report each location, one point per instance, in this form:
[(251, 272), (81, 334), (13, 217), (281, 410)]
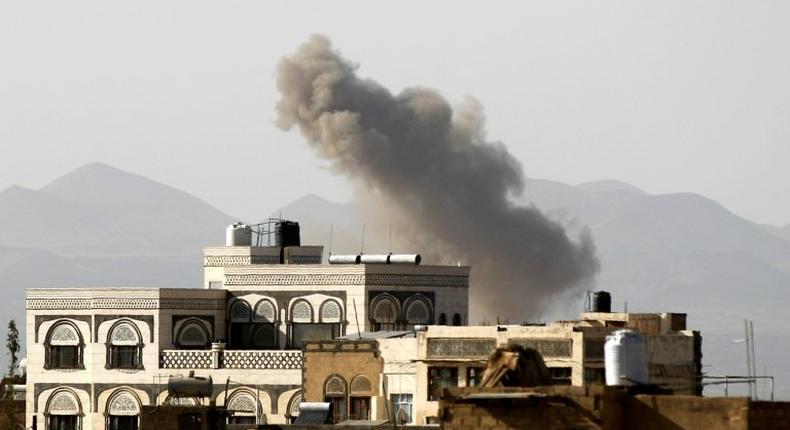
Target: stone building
[(97, 356), (416, 366)]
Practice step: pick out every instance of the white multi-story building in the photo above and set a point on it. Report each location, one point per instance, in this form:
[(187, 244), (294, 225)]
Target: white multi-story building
[(96, 356)]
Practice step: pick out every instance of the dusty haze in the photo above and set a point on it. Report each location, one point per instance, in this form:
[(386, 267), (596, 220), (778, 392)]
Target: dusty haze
[(429, 165)]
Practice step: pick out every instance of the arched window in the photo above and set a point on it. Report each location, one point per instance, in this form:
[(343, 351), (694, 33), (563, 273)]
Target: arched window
[(442, 319), (123, 411), (244, 408), (418, 312), (63, 411), (239, 327), (301, 312), (330, 312), (304, 326), (239, 311), (263, 332), (384, 313), (335, 393), (456, 319), (193, 335), (124, 347), (359, 401), (63, 347), (265, 311), (293, 407)]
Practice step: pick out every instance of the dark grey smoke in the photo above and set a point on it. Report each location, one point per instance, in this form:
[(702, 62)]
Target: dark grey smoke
[(431, 165)]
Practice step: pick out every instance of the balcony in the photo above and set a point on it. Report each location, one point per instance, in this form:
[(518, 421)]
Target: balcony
[(227, 359)]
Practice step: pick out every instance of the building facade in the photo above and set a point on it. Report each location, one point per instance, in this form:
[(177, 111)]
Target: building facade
[(97, 356), (415, 367)]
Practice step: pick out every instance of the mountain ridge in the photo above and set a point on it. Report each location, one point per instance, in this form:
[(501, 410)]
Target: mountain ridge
[(678, 252)]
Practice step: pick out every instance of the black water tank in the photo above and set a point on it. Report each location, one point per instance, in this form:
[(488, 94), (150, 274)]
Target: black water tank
[(286, 233), (601, 301)]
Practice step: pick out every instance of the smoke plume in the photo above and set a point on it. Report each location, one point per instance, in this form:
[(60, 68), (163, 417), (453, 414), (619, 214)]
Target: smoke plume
[(430, 164)]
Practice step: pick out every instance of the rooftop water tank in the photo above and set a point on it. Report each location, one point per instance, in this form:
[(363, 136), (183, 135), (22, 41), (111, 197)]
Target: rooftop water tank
[(189, 386), (345, 259), (625, 359), (375, 258), (600, 301), (286, 233), (405, 259), (238, 234)]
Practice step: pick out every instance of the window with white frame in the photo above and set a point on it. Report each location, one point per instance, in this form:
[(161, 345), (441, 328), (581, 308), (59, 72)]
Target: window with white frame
[(401, 408), (63, 411), (124, 347), (63, 347), (123, 411)]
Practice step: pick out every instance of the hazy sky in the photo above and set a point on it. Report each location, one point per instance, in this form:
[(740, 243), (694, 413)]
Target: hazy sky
[(669, 96)]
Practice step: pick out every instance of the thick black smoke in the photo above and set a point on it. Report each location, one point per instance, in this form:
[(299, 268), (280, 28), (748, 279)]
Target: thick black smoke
[(431, 165)]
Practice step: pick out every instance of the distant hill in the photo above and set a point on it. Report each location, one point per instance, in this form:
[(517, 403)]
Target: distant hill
[(98, 210), (608, 185), (783, 232)]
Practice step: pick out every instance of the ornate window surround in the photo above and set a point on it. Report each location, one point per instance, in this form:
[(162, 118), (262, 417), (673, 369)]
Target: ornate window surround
[(200, 324), (236, 304), (360, 386), (48, 343), (55, 406), (393, 302), (335, 392), (114, 400), (293, 406), (262, 318), (240, 393), (293, 306), (326, 303), (411, 301), (110, 342)]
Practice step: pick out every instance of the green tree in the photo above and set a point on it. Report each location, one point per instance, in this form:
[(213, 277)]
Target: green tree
[(9, 420), (12, 343)]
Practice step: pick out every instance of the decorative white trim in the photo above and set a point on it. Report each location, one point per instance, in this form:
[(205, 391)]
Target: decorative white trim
[(64, 335), (124, 334), (63, 403), (123, 403), (302, 312), (330, 311), (121, 303), (243, 402), (348, 279)]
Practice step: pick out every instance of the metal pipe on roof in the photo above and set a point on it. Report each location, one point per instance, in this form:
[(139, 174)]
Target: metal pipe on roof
[(344, 259), (405, 259), (375, 258)]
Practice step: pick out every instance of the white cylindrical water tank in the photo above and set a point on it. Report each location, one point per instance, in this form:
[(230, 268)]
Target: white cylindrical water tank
[(344, 259), (405, 259), (238, 234), (625, 359), (375, 258)]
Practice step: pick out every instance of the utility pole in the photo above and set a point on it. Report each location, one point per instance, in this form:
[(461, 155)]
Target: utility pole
[(754, 358), (748, 356)]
